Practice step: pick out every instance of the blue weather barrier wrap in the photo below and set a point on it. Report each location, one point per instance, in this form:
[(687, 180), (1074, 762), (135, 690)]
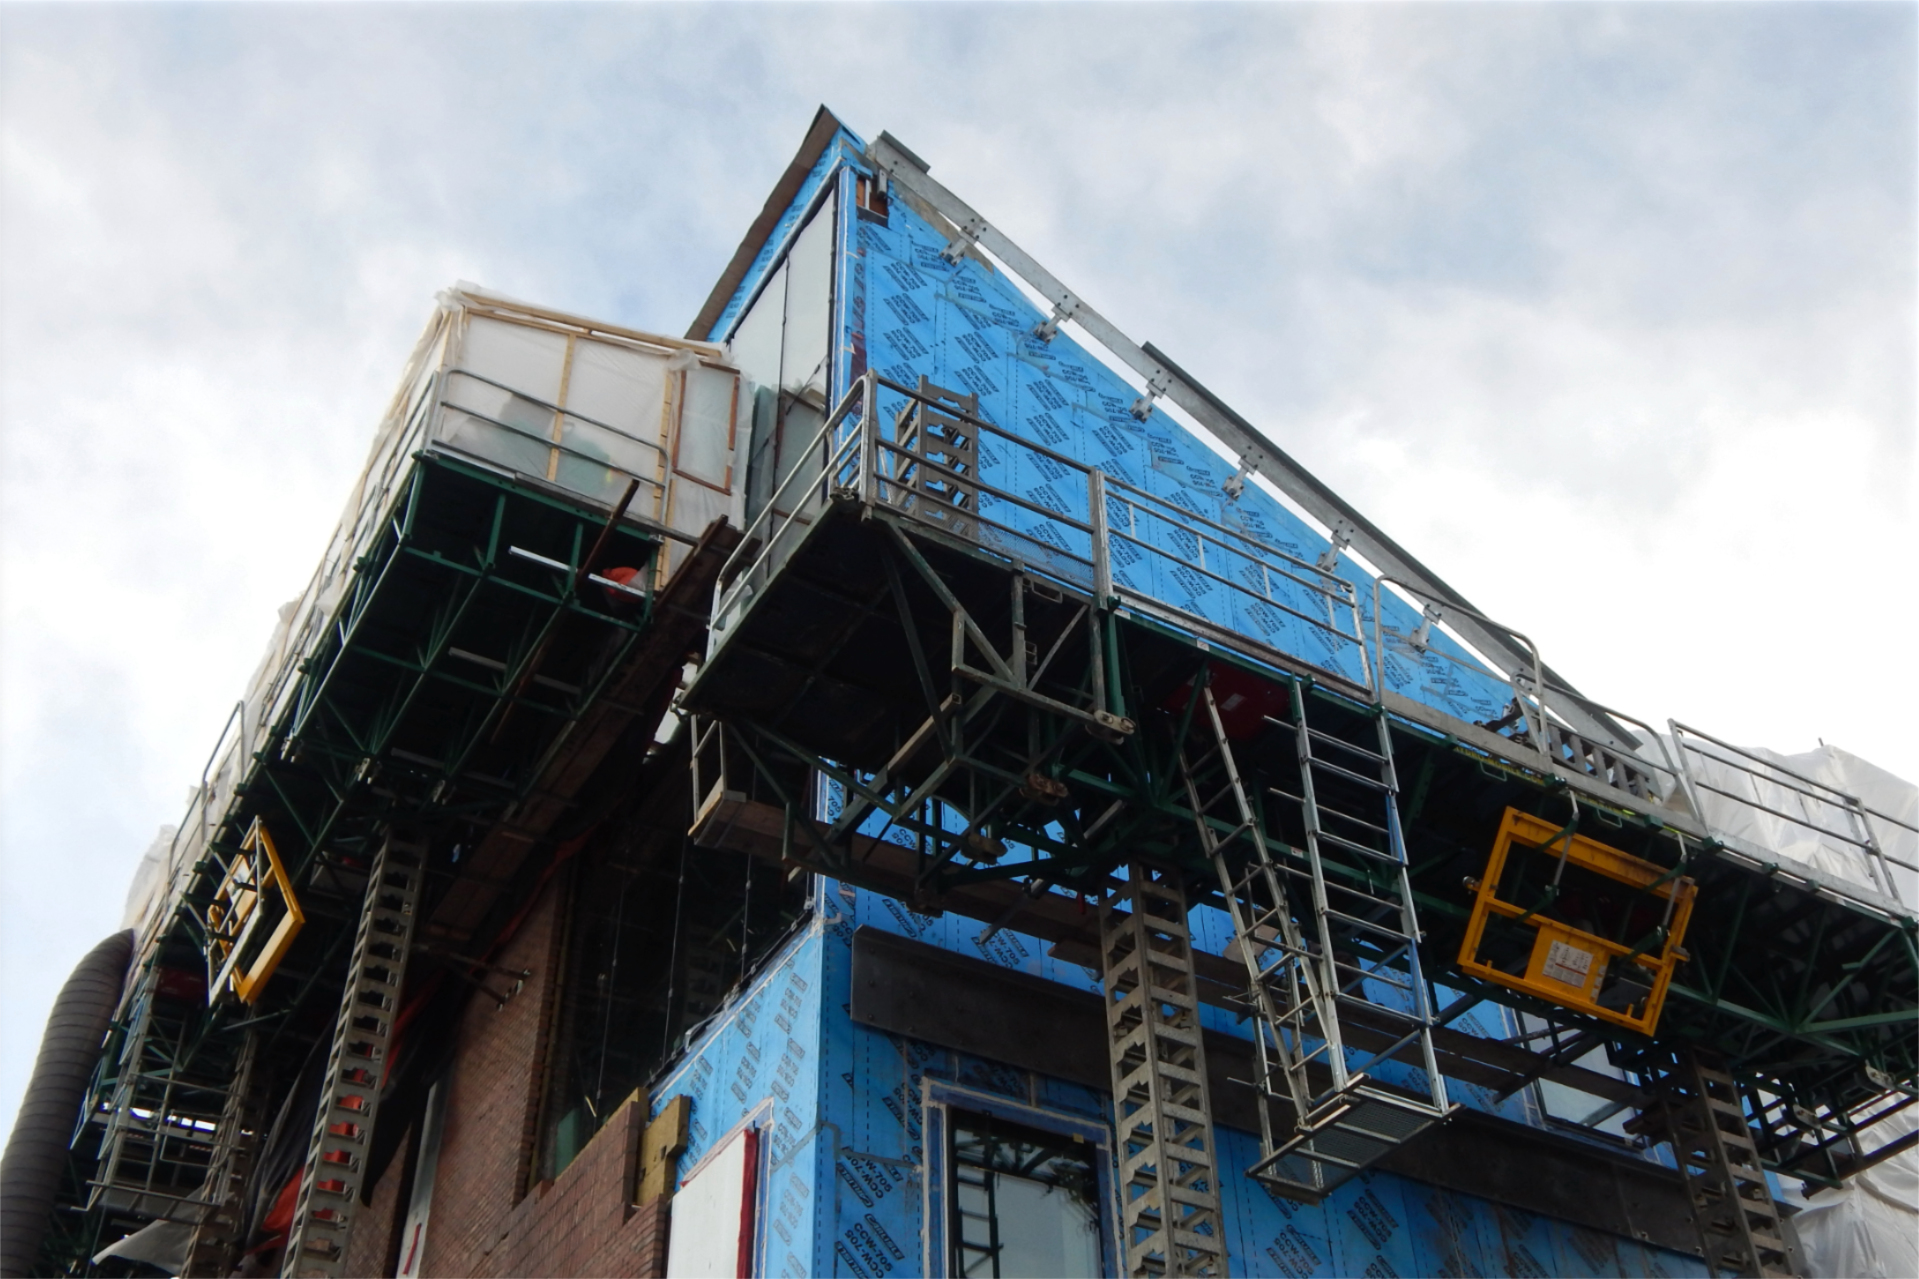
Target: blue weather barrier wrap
[(967, 328), (846, 1182)]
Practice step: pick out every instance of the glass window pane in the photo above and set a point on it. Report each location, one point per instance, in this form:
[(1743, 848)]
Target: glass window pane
[(1044, 1230), (1025, 1202)]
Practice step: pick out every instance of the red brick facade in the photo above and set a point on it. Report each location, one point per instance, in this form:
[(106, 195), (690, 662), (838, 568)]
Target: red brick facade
[(376, 1226), (583, 1222), (580, 1225)]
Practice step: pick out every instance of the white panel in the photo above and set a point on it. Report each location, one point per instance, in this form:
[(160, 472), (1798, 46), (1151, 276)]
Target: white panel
[(711, 1236), (809, 305), (528, 360), (755, 347), (619, 387), (420, 1207), (706, 425)]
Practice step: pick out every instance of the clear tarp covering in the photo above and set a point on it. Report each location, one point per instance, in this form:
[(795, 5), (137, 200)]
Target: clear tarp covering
[(582, 406), (1867, 1228), (1826, 808), (588, 408)]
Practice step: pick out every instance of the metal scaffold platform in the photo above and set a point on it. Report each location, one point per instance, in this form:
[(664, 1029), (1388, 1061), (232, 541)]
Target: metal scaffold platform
[(478, 639), (958, 662)]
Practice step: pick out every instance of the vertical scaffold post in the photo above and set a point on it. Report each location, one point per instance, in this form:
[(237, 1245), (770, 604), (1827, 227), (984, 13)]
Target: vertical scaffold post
[(1168, 1175), (869, 429), (350, 1100)]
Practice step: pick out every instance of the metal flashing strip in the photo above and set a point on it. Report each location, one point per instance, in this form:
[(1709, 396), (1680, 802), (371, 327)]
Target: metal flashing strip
[(1257, 453)]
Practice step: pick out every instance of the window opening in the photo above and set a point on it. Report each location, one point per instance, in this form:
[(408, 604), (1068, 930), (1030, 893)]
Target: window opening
[(659, 933), (1025, 1203), (784, 345)]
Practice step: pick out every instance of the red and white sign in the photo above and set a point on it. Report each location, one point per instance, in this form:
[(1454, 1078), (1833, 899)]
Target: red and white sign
[(711, 1236)]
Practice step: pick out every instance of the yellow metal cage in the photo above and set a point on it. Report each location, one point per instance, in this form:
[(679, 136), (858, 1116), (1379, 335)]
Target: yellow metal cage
[(1557, 947), (254, 892)]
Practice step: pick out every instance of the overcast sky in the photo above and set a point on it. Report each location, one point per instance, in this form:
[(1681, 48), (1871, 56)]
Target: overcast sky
[(1607, 314)]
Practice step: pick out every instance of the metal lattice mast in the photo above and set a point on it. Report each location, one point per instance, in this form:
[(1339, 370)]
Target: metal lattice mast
[(349, 1104), (1168, 1175), (214, 1248), (1733, 1208)]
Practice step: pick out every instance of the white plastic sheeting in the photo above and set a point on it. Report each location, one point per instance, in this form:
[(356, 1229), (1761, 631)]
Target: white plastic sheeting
[(160, 1244), (565, 401), (1818, 833), (1868, 1228), (149, 881)]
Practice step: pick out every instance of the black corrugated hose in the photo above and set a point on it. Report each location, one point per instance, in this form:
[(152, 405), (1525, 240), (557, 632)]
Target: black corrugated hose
[(30, 1172)]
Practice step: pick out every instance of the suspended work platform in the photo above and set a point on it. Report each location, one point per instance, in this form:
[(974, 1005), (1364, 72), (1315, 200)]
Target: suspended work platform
[(992, 703)]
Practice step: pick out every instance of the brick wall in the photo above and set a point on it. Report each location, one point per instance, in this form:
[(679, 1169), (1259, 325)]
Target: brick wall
[(376, 1224), (583, 1222), (580, 1225), (492, 1107)]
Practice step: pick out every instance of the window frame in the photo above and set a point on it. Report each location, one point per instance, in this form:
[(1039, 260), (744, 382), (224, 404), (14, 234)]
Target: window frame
[(938, 1098)]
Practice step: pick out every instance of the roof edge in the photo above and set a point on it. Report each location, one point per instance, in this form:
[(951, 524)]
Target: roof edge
[(821, 132)]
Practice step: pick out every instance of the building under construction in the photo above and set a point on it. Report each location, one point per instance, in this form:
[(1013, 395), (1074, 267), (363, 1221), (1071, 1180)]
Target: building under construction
[(870, 788)]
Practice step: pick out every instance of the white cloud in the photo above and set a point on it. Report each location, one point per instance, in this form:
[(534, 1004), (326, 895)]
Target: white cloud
[(1607, 314)]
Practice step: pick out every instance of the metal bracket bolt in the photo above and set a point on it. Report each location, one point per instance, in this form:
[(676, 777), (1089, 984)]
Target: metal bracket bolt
[(1063, 311), (1422, 637), (1342, 537), (968, 236), (1236, 482)]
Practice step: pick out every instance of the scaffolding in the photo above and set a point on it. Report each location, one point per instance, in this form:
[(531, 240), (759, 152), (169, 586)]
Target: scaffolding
[(989, 697), (482, 627), (965, 690)]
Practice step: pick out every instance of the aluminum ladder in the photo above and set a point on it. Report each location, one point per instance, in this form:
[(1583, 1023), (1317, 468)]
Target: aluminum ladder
[(1168, 1171), (1316, 927), (356, 1066)]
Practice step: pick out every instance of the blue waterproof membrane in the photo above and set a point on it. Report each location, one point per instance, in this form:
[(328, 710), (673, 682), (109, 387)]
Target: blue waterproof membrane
[(1212, 932), (840, 1105), (1381, 1225), (902, 309), (759, 1061), (844, 1183), (1010, 948), (969, 329)]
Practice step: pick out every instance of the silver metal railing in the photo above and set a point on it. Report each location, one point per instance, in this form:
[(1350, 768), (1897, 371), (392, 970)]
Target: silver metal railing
[(1309, 614), (1742, 781)]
